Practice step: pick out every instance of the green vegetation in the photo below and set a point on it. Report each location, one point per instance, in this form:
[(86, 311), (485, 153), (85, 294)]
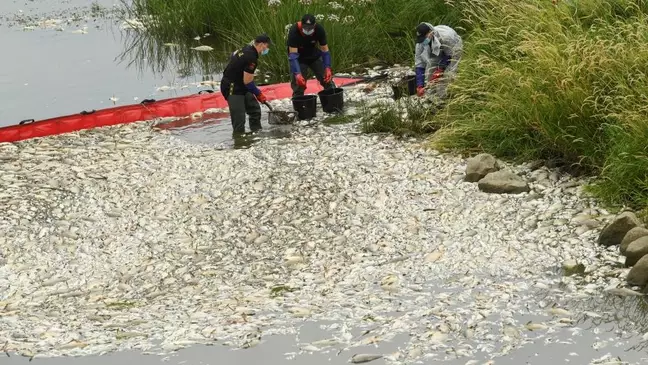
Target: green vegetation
[(363, 33), (565, 82), (409, 118), (279, 290)]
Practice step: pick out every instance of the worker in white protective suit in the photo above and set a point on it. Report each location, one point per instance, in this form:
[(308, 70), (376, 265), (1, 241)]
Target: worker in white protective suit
[(438, 52)]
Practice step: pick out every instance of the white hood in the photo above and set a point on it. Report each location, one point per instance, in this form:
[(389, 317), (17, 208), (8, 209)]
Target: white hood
[(435, 44)]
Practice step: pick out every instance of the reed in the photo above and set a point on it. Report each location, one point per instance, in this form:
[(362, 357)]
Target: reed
[(360, 33)]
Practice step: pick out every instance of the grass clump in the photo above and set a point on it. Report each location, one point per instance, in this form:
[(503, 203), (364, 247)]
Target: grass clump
[(407, 118), (339, 119), (563, 82), (361, 33)]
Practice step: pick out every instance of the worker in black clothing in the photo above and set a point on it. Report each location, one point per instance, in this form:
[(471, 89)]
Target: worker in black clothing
[(238, 87), (303, 53)]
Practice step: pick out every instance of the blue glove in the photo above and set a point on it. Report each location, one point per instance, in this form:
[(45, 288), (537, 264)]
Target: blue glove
[(444, 62), (326, 59), (294, 64), (253, 88), (420, 76)]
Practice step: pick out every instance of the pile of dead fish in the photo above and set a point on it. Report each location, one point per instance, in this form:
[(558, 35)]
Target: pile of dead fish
[(127, 238)]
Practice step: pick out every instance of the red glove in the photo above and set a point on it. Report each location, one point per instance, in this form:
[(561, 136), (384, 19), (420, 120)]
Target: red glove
[(301, 81), (438, 72), (262, 98), (328, 75), (420, 91)]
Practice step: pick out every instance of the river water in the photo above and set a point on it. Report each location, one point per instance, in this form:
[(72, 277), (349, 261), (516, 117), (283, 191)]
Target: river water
[(54, 68), (48, 72)]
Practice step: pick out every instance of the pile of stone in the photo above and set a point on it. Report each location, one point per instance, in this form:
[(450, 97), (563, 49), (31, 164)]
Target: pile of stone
[(487, 172), (627, 231)]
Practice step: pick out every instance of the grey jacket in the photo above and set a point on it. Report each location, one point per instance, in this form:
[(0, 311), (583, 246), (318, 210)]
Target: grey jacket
[(446, 43)]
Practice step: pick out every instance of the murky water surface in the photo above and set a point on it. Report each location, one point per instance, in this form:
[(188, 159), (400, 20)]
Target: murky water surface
[(63, 57)]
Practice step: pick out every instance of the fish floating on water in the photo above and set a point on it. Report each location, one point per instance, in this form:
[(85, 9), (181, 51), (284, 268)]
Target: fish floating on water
[(362, 358), (202, 48), (623, 292)]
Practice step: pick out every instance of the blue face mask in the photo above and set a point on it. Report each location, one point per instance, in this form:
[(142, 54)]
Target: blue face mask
[(265, 52), (426, 41), (308, 32)]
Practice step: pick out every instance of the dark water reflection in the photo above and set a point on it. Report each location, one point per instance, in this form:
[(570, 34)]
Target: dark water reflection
[(216, 129), (150, 53)]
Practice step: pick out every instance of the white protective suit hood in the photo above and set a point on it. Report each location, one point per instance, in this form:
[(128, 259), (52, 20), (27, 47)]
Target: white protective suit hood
[(435, 44)]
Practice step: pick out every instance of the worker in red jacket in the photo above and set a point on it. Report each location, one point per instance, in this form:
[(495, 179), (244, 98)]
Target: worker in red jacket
[(308, 48)]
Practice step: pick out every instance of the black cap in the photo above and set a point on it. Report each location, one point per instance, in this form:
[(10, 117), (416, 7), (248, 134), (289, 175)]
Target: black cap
[(421, 31), (308, 21), (262, 38)]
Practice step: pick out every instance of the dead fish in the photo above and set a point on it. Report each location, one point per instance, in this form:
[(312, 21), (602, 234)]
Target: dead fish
[(52, 281), (202, 48), (292, 260), (73, 345), (325, 342), (398, 259), (122, 335), (535, 326), (434, 256), (361, 358), (592, 314), (310, 348), (300, 312), (559, 311), (623, 292)]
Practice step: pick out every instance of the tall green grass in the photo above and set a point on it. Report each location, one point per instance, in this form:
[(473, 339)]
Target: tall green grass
[(361, 34), (565, 82)]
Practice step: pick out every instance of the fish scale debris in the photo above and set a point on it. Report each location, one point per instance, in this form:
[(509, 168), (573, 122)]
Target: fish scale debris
[(166, 244)]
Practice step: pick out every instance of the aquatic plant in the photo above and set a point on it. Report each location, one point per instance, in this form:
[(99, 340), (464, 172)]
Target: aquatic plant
[(361, 33)]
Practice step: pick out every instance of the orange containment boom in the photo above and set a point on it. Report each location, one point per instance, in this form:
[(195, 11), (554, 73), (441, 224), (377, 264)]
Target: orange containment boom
[(146, 110)]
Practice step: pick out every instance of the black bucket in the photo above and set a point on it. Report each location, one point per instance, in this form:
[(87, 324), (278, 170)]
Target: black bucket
[(305, 106), (406, 85), (332, 99)]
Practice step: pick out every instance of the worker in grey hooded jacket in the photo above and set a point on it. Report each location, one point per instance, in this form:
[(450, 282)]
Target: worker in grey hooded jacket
[(438, 52)]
